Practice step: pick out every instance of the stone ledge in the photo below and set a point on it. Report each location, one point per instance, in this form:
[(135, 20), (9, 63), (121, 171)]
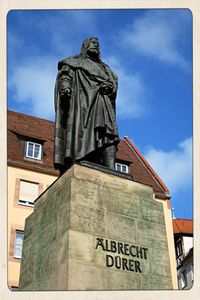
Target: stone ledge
[(104, 169)]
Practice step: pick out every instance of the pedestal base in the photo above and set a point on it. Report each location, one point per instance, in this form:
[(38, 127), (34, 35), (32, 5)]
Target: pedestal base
[(95, 231)]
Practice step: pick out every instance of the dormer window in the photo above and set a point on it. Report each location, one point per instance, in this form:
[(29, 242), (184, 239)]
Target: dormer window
[(33, 150), (121, 167)]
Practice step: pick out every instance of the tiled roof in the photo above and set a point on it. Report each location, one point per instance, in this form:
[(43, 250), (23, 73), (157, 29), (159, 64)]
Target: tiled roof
[(24, 127), (157, 180), (183, 226)]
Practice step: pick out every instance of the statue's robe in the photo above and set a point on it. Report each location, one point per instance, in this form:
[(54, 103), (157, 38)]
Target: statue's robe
[(86, 122)]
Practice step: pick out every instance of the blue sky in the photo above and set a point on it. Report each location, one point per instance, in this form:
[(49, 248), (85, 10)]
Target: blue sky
[(150, 50)]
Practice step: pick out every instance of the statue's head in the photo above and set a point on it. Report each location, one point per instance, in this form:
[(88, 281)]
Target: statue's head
[(90, 47)]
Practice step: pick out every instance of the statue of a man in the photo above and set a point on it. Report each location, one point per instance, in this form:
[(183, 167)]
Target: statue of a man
[(85, 93)]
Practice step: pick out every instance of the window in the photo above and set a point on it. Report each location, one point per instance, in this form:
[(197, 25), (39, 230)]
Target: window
[(121, 168), (28, 192), (33, 150), (18, 244), (179, 247), (183, 278), (179, 251)]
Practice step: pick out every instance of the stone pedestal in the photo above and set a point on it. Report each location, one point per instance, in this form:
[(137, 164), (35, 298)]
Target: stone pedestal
[(95, 231)]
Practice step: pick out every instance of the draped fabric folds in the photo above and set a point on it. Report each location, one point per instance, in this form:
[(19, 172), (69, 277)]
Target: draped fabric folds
[(86, 121)]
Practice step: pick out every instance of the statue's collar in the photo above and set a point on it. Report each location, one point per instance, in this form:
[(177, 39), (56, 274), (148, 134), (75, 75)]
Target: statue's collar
[(91, 66)]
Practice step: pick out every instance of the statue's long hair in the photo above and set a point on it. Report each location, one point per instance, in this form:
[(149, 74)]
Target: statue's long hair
[(85, 44)]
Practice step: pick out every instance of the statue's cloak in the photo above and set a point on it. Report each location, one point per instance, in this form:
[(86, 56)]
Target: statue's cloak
[(85, 122)]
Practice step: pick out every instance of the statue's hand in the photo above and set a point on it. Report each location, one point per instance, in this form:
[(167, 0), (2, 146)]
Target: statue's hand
[(106, 88), (65, 92)]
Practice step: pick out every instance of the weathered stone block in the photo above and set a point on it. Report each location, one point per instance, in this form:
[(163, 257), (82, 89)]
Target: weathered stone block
[(85, 277), (86, 219), (152, 211), (119, 202), (149, 283), (120, 227), (84, 193), (151, 234), (30, 222), (122, 280), (63, 219), (95, 231), (81, 246)]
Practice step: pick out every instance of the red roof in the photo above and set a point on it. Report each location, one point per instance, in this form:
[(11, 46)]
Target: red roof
[(156, 178), (22, 126), (183, 226)]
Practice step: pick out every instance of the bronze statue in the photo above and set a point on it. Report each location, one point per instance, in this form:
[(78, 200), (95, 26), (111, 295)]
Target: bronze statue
[(85, 93)]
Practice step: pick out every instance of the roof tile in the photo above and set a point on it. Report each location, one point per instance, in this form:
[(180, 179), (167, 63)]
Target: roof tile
[(182, 226)]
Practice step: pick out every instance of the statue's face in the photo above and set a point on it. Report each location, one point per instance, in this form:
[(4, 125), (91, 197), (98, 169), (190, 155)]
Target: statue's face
[(93, 46)]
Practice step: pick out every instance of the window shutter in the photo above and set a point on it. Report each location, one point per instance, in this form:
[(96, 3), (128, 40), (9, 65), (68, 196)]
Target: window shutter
[(28, 191)]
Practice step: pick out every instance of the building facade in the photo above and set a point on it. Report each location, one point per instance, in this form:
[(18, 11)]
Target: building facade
[(183, 239), (31, 171)]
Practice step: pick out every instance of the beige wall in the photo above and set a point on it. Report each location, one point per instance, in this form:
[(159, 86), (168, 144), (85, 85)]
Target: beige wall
[(18, 213), (170, 240)]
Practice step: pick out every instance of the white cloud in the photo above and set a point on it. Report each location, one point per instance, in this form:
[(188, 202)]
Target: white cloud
[(59, 32), (33, 84), (157, 34), (66, 28), (32, 79), (131, 91), (174, 167)]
